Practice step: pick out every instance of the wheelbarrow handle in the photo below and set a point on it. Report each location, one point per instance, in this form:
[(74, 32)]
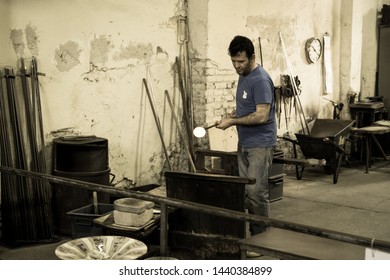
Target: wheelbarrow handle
[(288, 139), (338, 148)]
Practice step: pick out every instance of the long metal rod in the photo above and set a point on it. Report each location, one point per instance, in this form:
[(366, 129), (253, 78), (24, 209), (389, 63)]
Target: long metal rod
[(8, 183), (184, 98), (261, 53), (37, 98), (20, 215), (33, 210), (20, 154), (40, 141), (296, 96), (158, 124), (30, 138), (180, 132), (354, 239)]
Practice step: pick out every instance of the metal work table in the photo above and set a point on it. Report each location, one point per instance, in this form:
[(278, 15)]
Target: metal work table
[(373, 110)]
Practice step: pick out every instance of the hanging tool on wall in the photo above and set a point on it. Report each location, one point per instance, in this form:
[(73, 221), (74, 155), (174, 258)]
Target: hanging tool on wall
[(279, 101), (337, 107), (288, 87), (287, 95)]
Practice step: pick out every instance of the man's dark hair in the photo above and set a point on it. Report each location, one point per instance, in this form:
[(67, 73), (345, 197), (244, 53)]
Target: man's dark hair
[(240, 44)]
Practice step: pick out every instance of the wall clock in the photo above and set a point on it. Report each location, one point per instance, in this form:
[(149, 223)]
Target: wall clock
[(313, 49)]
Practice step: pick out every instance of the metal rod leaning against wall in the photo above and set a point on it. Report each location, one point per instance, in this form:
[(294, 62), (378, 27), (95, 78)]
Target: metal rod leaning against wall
[(301, 112), (164, 201), (183, 139), (158, 123)]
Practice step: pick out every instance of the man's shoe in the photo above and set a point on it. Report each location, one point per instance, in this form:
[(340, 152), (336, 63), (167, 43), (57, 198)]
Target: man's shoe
[(250, 254)]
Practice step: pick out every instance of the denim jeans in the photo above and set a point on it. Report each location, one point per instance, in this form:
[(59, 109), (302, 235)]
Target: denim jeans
[(256, 163)]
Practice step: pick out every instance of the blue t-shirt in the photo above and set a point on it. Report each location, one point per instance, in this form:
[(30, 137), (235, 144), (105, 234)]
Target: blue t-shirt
[(256, 88)]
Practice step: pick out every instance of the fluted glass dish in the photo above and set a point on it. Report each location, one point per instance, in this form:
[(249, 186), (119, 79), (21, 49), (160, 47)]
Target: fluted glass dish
[(101, 248)]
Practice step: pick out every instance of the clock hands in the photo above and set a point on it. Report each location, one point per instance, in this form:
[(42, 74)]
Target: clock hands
[(316, 51)]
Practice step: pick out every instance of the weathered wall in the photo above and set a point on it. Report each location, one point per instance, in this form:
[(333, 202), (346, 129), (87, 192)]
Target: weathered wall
[(369, 45), (358, 49), (5, 49), (369, 48), (96, 53)]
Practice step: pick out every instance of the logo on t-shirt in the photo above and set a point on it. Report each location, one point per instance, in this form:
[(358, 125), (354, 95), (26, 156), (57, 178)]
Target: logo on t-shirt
[(245, 95)]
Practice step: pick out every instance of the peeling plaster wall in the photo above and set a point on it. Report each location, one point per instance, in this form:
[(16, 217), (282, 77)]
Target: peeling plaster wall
[(369, 48), (95, 55), (5, 45)]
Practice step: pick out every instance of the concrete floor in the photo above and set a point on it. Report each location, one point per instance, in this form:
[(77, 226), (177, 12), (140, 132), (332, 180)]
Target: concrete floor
[(358, 204)]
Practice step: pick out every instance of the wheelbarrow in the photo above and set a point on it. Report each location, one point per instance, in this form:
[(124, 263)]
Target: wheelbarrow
[(325, 142)]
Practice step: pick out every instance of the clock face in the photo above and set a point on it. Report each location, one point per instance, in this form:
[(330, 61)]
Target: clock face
[(313, 50)]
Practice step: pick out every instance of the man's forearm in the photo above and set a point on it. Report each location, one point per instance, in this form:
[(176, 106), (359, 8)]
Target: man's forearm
[(260, 116), (251, 119)]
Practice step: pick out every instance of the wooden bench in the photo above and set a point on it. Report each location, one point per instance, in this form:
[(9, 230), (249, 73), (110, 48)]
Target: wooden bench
[(292, 245)]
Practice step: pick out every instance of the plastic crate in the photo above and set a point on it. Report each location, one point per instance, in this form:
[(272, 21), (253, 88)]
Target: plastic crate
[(82, 224), (275, 185)]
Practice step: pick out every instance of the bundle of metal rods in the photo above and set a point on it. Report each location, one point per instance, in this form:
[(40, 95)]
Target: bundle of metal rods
[(26, 203)]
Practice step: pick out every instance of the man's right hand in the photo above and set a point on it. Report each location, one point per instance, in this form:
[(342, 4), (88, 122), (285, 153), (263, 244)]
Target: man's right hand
[(225, 123)]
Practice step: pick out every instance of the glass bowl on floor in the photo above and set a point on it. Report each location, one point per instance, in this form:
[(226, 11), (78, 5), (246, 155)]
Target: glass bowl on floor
[(102, 248)]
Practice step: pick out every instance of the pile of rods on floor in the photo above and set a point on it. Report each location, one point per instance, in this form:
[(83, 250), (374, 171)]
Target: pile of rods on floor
[(26, 203)]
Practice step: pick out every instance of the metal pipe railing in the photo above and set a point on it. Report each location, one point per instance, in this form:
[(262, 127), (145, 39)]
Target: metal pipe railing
[(177, 203)]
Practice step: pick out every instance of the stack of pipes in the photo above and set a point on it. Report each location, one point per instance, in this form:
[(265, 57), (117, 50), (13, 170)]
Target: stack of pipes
[(26, 203), (183, 66)]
